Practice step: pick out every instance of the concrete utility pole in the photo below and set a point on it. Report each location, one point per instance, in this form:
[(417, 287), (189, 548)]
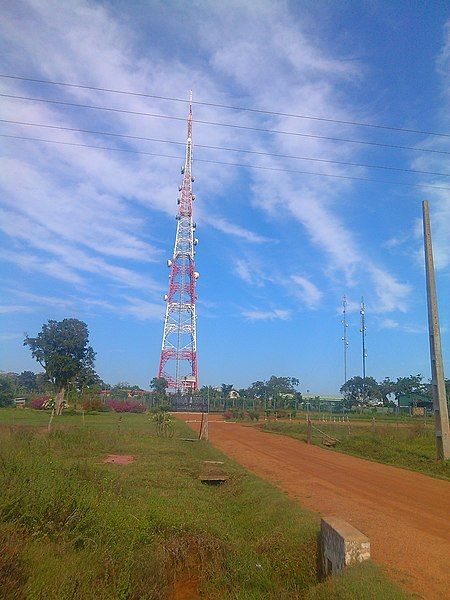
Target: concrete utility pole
[(437, 368)]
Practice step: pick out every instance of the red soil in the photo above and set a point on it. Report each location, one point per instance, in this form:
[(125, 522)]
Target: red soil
[(119, 459), (405, 514)]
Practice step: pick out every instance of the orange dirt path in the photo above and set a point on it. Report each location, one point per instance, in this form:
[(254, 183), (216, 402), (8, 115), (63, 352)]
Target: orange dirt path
[(405, 514)]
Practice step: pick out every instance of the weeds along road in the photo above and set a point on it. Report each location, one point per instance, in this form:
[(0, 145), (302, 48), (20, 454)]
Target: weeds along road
[(405, 514)]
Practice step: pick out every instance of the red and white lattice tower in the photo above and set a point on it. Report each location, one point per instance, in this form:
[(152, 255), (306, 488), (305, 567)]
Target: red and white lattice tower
[(178, 364)]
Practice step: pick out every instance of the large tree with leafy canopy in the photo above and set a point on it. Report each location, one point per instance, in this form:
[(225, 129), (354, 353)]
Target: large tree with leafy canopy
[(281, 385), (413, 387), (357, 390), (62, 349)]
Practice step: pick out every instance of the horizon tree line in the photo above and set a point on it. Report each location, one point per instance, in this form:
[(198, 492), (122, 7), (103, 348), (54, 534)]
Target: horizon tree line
[(62, 349)]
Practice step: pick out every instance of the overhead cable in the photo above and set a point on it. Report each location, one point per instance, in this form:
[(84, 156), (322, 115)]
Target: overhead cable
[(226, 106), (219, 162), (219, 124), (225, 148)]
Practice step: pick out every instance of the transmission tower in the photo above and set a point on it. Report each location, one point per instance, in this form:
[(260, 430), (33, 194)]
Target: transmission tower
[(363, 339), (344, 336), (178, 363)]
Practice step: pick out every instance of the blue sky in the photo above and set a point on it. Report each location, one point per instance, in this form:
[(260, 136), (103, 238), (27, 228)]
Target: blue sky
[(86, 232)]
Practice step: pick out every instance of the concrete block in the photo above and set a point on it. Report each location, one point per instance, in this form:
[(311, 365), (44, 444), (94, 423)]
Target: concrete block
[(212, 472), (341, 545)]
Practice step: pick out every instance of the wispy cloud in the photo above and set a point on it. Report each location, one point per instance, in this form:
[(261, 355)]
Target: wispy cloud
[(249, 271), (49, 267), (138, 308), (252, 273), (392, 294), (89, 218), (42, 300), (307, 291), (141, 309), (389, 324), (439, 199), (6, 309), (266, 315), (226, 226), (414, 328)]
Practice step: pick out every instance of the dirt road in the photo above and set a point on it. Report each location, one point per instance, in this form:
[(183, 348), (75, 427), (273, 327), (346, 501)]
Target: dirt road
[(405, 514)]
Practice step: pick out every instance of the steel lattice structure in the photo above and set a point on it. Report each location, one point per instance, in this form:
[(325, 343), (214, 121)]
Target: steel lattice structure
[(178, 363)]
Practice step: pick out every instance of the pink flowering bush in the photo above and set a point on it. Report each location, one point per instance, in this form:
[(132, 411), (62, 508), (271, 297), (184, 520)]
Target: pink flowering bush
[(126, 405), (95, 404), (39, 402)]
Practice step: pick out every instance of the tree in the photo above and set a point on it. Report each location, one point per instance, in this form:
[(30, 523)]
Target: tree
[(357, 389), (27, 381), (386, 388), (412, 387), (87, 378), (159, 385), (281, 385), (282, 391), (6, 390), (85, 386), (43, 383), (209, 390), (62, 349), (122, 385), (226, 389), (120, 390), (256, 390)]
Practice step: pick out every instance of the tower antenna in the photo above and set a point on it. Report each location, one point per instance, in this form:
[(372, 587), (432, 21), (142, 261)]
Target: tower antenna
[(178, 363), (344, 336), (363, 339)]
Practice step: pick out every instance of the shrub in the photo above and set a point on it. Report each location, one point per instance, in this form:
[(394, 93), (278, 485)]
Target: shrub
[(228, 415), (159, 408), (95, 404), (39, 402), (253, 415), (164, 423), (131, 406)]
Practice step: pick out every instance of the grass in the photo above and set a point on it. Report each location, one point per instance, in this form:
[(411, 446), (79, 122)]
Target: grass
[(364, 581), (73, 527), (410, 446)]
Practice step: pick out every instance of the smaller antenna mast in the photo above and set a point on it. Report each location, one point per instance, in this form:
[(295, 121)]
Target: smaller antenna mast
[(363, 339), (344, 336)]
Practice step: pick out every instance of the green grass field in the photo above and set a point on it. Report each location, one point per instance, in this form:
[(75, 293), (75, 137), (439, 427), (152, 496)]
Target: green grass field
[(73, 527), (409, 445)]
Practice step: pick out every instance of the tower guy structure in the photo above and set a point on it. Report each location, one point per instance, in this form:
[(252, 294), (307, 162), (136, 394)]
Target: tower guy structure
[(178, 363), (362, 330)]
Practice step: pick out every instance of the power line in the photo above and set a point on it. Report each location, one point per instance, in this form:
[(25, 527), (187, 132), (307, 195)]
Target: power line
[(226, 106), (219, 124), (256, 152), (231, 164)]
